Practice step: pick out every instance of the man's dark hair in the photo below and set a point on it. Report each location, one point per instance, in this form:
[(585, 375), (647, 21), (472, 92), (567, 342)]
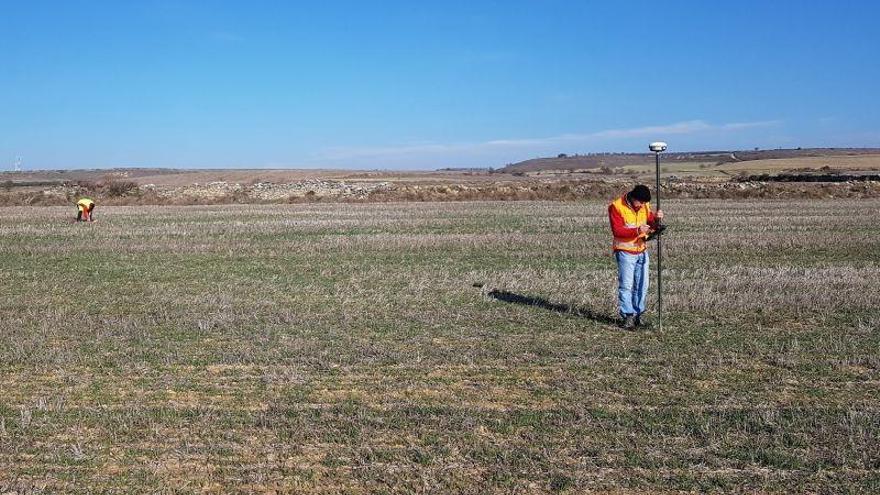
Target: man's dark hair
[(640, 193)]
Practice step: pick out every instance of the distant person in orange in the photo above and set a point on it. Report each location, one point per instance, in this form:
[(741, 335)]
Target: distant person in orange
[(85, 207), (631, 222)]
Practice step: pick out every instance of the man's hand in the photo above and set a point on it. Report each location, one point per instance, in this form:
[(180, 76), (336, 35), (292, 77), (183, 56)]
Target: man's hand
[(659, 214), (644, 229)]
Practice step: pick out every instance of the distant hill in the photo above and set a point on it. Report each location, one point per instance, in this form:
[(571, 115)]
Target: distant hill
[(613, 160)]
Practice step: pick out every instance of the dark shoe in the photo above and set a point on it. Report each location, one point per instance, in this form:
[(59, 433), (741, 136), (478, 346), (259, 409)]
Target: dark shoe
[(643, 322), (628, 323)]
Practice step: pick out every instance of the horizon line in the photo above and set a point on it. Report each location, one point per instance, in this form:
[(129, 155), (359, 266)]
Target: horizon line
[(439, 169)]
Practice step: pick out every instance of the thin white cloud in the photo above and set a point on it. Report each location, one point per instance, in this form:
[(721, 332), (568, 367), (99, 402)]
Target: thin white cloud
[(689, 127), (750, 125), (522, 144)]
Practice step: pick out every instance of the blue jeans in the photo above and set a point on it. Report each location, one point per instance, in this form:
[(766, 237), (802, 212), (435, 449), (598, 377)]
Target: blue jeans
[(632, 282)]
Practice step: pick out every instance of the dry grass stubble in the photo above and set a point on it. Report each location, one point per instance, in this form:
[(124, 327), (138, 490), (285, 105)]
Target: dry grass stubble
[(344, 348)]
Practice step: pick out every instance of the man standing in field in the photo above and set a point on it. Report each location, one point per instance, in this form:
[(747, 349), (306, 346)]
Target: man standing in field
[(85, 207), (631, 222)]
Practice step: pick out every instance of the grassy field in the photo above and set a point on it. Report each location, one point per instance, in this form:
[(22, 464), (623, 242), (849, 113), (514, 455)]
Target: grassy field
[(436, 348)]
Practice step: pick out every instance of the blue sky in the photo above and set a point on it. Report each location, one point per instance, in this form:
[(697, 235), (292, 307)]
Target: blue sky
[(415, 85)]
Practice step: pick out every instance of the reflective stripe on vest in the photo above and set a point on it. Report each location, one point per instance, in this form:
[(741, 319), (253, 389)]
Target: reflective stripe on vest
[(632, 219)]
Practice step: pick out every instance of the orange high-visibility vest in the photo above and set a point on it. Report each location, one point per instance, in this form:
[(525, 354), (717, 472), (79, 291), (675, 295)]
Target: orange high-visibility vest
[(85, 204), (631, 219)]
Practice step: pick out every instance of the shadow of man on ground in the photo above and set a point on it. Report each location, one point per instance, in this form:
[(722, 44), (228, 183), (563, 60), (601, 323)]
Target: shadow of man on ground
[(510, 297)]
